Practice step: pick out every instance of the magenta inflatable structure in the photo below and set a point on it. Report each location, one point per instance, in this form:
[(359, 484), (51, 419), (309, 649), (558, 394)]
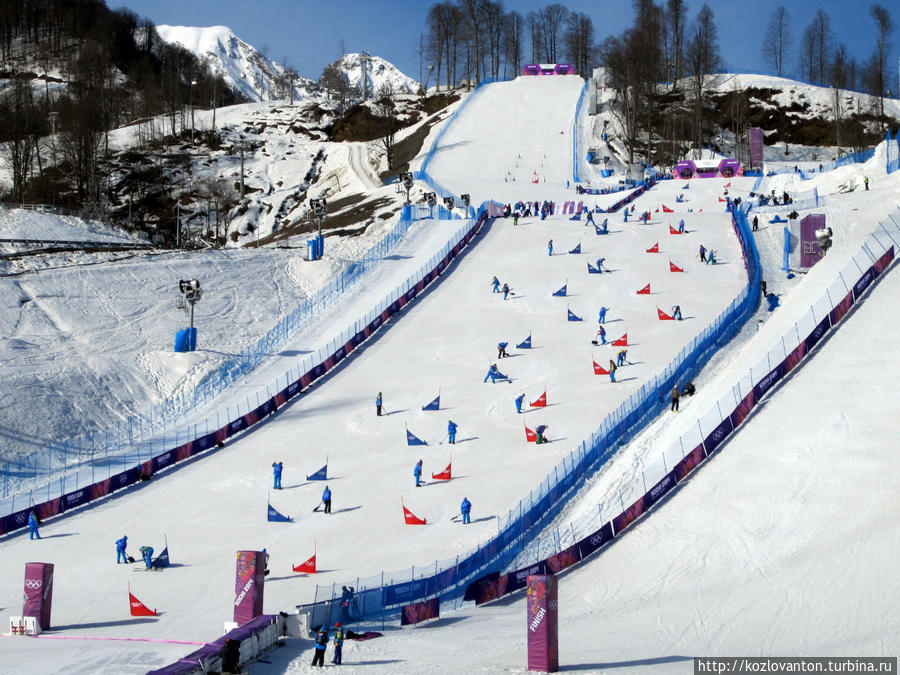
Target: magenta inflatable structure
[(688, 168), (548, 69)]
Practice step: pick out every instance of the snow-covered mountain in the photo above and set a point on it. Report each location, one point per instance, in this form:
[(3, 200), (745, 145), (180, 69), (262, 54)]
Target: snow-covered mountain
[(378, 73), (254, 75)]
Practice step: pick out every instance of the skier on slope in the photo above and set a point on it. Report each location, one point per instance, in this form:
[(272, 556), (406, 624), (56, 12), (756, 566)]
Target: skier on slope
[(451, 431), (465, 508), (276, 475), (417, 472)]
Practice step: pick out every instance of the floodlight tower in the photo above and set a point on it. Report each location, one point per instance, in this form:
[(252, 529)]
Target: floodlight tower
[(319, 208), (466, 200), (191, 294), (406, 179), (431, 198)]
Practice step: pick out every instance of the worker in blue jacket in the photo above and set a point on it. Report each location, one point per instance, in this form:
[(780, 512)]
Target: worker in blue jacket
[(417, 472), (451, 431), (147, 555), (519, 399), (326, 499), (276, 475), (464, 509), (33, 525), (121, 545)]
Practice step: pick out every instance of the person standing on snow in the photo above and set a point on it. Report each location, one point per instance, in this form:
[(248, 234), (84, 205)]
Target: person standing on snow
[(276, 475), (417, 472), (147, 555), (601, 317), (501, 349), (378, 402), (681, 226), (590, 218), (505, 290), (601, 334), (519, 400), (676, 312), (451, 431), (675, 398), (622, 357), (702, 253), (121, 544), (495, 285), (33, 525), (612, 370), (550, 247), (321, 645), (600, 262), (326, 499), (465, 508), (338, 644)]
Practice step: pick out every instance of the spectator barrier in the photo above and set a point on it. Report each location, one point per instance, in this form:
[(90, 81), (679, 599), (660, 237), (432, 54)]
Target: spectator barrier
[(84, 486), (569, 545), (576, 125), (892, 153), (383, 595)]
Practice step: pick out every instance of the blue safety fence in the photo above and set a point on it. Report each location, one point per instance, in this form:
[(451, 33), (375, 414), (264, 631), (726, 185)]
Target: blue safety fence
[(892, 153), (576, 125), (381, 596)]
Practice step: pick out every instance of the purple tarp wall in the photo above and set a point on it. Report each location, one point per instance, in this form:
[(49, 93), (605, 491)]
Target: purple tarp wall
[(248, 585), (756, 148), (726, 168), (39, 592), (810, 253), (543, 623)]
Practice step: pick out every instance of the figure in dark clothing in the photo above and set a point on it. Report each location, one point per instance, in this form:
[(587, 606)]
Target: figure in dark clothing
[(326, 499), (231, 656), (321, 645), (378, 402), (675, 398)]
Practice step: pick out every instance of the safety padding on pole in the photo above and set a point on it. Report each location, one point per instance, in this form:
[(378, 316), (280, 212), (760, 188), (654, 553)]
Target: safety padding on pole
[(542, 607), (249, 584)]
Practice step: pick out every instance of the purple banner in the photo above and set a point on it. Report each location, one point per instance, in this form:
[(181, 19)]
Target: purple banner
[(818, 332), (249, 585), (595, 541), (77, 498), (690, 462), (628, 516), (659, 490), (565, 558), (769, 381), (756, 148), (420, 611), (543, 623), (860, 286), (718, 435), (38, 592), (163, 460), (883, 261), (739, 414), (841, 309)]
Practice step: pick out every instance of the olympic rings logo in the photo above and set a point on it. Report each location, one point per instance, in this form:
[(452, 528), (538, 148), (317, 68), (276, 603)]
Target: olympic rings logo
[(33, 583)]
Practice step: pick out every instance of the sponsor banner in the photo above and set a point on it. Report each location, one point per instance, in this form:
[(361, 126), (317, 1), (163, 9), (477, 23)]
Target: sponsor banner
[(628, 516), (488, 588), (739, 414), (249, 584), (236, 425), (14, 521), (659, 490), (565, 558), (38, 592), (883, 261), (49, 509), (182, 452), (543, 623), (595, 541), (251, 418), (690, 462), (203, 443), (817, 333), (864, 282), (76, 498), (519, 579), (420, 611), (718, 435), (769, 381), (397, 594), (147, 470), (794, 358), (120, 480), (101, 488), (841, 309), (163, 460)]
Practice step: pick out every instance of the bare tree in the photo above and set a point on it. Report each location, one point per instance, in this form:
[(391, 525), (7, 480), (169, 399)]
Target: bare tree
[(385, 109), (579, 42), (17, 137), (702, 56), (513, 35), (337, 86), (676, 17), (815, 54), (838, 77), (806, 57), (775, 41), (878, 62), (552, 19)]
